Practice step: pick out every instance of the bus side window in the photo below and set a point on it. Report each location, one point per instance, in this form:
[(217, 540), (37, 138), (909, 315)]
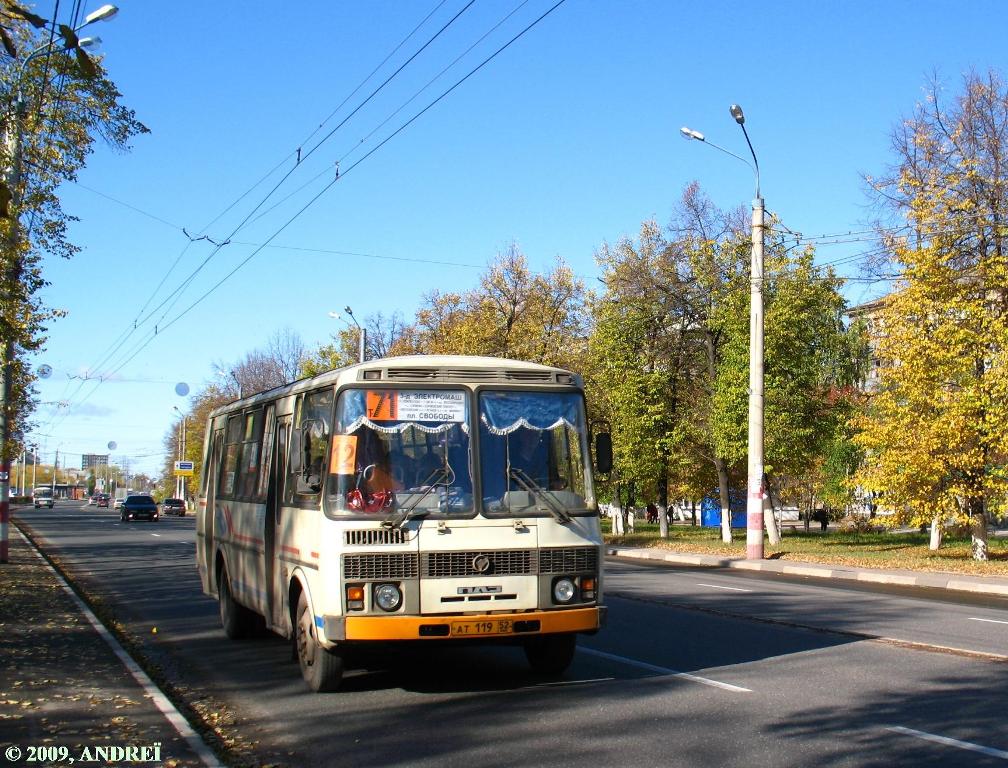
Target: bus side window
[(310, 443)]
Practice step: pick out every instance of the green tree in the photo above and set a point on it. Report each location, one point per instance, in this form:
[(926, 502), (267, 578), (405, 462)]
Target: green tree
[(657, 347), (672, 343), (69, 105)]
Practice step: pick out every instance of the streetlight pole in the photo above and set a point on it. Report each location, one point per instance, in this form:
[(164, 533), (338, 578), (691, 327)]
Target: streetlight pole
[(179, 479), (12, 177), (361, 334), (754, 479)]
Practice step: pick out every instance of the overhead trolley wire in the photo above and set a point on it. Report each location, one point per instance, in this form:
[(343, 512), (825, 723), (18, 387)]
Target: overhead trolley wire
[(384, 122), (140, 319), (325, 189)]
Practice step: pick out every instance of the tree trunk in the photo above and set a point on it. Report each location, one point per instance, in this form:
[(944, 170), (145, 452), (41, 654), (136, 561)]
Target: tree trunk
[(693, 512), (663, 499), (723, 493), (979, 528), (769, 521), (936, 533)]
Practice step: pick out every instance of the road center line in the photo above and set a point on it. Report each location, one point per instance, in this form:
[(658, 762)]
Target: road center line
[(156, 534), (944, 740), (718, 586), (664, 670), (989, 621)]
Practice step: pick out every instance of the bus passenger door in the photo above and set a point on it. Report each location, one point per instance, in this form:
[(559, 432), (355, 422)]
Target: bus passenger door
[(275, 576), (209, 512)]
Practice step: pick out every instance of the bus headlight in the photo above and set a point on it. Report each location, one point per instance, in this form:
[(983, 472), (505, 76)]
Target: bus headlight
[(388, 597), (563, 590)]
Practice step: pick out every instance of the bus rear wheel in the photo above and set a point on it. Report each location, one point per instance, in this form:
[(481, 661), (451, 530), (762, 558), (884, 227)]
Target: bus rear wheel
[(320, 668), (550, 654), (237, 620)]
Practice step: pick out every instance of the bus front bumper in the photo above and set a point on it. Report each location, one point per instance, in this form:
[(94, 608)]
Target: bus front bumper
[(469, 627)]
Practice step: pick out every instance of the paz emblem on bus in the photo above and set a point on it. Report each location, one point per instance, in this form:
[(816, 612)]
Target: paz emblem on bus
[(480, 590)]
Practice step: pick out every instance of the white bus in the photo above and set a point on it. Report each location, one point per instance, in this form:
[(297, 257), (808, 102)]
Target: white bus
[(424, 499)]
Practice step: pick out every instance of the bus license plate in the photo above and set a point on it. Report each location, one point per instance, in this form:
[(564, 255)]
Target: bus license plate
[(472, 628)]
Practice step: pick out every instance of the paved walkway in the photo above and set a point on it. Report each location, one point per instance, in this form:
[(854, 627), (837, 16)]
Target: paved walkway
[(65, 692), (989, 585)]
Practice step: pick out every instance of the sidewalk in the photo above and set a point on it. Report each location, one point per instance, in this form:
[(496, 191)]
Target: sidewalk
[(64, 693), (986, 585)]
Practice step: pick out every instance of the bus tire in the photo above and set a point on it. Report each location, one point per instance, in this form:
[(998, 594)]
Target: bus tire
[(550, 654), (320, 668), (237, 620)]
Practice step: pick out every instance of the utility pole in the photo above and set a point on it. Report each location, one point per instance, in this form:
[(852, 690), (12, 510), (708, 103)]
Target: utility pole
[(756, 492), (754, 498)]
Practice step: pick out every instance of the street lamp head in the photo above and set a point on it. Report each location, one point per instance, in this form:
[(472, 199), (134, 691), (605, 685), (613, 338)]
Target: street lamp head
[(334, 315), (689, 133), (736, 112), (89, 43), (348, 311), (104, 13)]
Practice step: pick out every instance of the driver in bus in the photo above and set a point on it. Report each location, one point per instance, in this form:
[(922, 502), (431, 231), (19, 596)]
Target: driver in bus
[(529, 451)]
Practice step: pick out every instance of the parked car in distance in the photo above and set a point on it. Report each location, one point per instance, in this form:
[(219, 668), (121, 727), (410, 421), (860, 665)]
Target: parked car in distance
[(43, 497), (173, 507), (117, 504), (102, 500), (137, 506)]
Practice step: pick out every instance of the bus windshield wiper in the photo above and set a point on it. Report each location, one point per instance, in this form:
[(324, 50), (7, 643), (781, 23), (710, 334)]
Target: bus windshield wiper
[(528, 484), (440, 476)]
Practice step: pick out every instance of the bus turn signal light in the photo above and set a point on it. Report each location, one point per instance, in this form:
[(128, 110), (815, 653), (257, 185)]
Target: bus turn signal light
[(587, 588), (355, 598)]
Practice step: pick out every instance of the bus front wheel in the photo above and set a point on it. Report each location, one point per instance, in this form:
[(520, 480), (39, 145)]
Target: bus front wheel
[(321, 669), (550, 654)]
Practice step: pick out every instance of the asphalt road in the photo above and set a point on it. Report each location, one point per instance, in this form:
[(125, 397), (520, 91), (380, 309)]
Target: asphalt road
[(695, 667)]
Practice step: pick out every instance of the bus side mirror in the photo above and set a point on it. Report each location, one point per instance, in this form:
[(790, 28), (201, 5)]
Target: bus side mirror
[(294, 462), (603, 453)]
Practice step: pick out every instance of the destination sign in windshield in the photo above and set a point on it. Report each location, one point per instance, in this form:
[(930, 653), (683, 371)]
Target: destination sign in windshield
[(437, 405)]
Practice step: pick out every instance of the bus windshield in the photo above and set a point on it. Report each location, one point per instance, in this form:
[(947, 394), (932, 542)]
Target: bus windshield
[(533, 453), (401, 452)]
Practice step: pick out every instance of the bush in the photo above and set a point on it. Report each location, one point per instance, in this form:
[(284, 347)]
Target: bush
[(860, 524)]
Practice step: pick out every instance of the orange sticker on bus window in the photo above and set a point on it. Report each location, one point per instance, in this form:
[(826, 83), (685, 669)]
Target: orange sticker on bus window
[(343, 459), (381, 406)]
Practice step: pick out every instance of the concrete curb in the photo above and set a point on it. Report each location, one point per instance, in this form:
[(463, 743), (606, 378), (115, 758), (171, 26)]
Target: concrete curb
[(987, 585)]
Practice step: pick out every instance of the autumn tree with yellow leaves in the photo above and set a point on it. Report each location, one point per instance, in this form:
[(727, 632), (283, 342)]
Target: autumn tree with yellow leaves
[(513, 313), (935, 433)]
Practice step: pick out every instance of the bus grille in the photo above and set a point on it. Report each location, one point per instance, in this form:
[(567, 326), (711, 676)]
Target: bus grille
[(568, 560), (400, 565), (373, 536), (509, 562)]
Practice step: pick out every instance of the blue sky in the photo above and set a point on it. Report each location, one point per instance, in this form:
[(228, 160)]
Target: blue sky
[(567, 139)]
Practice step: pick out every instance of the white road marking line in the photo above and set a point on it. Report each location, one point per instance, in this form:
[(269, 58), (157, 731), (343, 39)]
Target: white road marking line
[(559, 683), (989, 621), (156, 534), (162, 702), (718, 586), (990, 751), (664, 670)]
